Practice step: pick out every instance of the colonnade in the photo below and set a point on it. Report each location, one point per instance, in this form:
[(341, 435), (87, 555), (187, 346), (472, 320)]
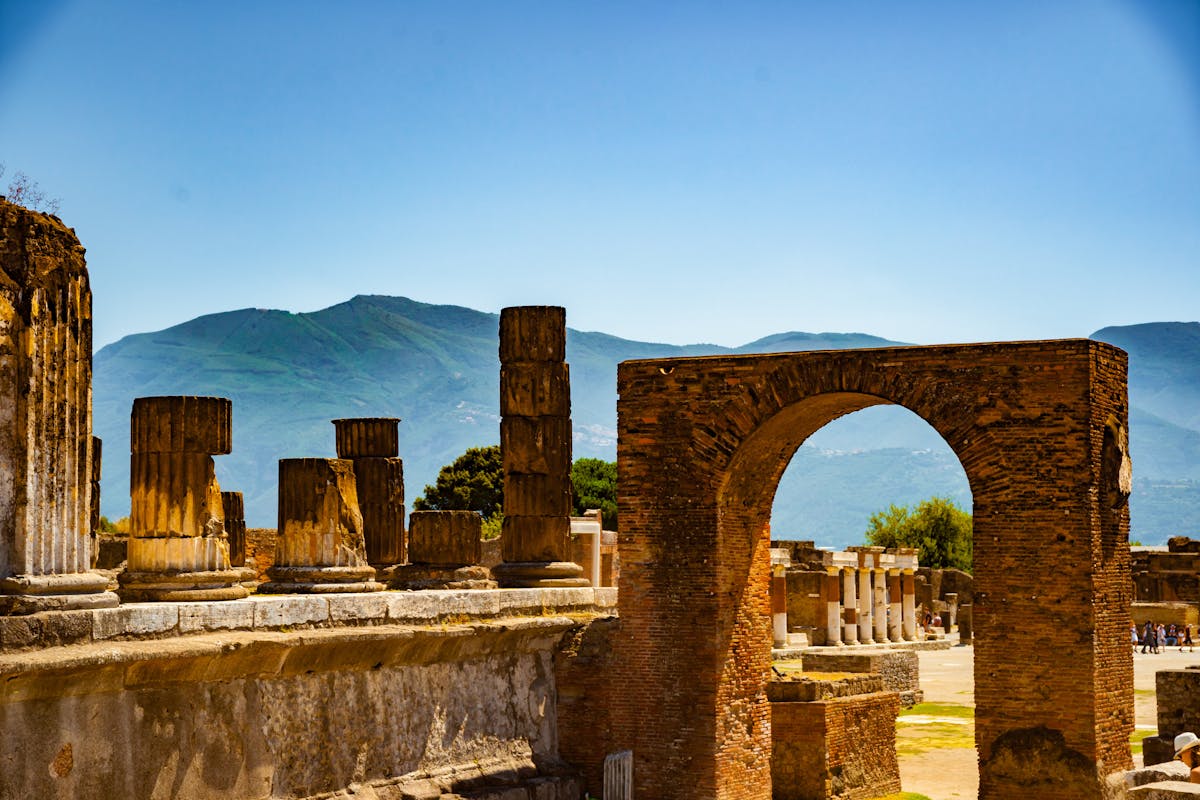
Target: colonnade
[(870, 596)]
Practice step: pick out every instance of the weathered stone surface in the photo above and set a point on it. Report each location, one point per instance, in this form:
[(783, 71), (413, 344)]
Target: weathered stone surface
[(46, 442), (702, 445), (536, 445), (535, 390), (447, 538), (528, 495), (320, 547), (1177, 694), (367, 437), (284, 714), (542, 538), (234, 511), (380, 488), (900, 670), (533, 333), (182, 424)]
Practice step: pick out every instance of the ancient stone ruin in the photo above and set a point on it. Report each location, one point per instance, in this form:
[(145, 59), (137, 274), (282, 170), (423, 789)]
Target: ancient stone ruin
[(444, 553), (46, 459), (320, 546), (178, 548), (535, 442), (373, 446)]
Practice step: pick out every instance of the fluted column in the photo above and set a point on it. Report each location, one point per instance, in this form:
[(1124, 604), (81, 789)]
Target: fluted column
[(319, 547), (908, 600), (372, 445), (866, 606), (444, 550), (535, 444), (879, 603), (178, 548), (833, 607), (46, 547), (849, 605), (896, 609)]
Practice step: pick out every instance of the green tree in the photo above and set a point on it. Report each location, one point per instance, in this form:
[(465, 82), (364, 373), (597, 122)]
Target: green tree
[(938, 529), (472, 482), (594, 485)]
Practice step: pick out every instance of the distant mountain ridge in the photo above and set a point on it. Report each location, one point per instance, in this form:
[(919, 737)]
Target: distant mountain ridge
[(436, 367)]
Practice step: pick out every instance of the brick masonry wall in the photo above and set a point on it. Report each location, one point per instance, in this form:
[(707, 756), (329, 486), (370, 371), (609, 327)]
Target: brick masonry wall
[(843, 748), (1177, 692), (260, 550), (587, 681), (702, 445)]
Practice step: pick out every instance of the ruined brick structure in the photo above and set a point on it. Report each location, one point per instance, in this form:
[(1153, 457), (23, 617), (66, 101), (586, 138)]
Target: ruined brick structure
[(1040, 430), (535, 445), (1173, 576), (46, 547)]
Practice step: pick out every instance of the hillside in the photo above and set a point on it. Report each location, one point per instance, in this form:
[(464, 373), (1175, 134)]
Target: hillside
[(436, 368)]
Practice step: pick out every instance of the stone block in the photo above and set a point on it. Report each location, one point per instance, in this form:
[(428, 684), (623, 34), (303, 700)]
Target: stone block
[(18, 632), (444, 537), (419, 607), (1176, 693), (535, 390), (538, 445), (234, 511), (528, 495), (1158, 750), (367, 437), (66, 627), (236, 615), (138, 620), (541, 538), (533, 333), (182, 425), (380, 485), (358, 609), (280, 612)]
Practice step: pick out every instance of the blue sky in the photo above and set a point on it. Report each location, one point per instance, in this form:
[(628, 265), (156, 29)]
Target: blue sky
[(680, 172)]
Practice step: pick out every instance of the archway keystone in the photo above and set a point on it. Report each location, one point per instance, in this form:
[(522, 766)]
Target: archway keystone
[(702, 445)]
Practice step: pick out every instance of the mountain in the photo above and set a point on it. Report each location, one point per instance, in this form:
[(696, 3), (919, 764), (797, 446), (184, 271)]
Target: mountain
[(436, 368)]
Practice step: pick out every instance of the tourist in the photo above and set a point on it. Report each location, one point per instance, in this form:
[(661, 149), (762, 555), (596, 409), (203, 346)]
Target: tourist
[(1186, 641), (1133, 636), (1185, 750), (1147, 636), (1172, 636), (1160, 638)]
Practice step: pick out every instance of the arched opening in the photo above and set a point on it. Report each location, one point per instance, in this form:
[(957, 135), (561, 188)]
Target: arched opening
[(702, 446)]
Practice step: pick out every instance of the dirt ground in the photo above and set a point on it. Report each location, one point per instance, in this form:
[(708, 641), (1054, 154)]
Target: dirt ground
[(947, 676)]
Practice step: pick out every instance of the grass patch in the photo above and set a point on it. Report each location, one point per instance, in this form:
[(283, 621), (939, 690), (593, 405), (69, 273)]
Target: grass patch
[(1144, 692), (1135, 741), (939, 710), (905, 796)]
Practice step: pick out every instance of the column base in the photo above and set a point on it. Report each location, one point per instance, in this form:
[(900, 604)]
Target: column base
[(30, 594), (320, 580), (248, 577), (539, 574), (183, 587), (431, 576)]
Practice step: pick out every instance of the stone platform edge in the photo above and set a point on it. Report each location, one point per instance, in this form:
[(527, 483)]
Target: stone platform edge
[(139, 621)]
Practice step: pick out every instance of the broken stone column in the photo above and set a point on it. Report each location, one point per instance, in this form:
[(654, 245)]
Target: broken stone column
[(833, 607), (895, 609), (535, 443), (879, 602), (46, 547), (235, 528), (373, 445), (320, 547), (178, 548), (445, 550)]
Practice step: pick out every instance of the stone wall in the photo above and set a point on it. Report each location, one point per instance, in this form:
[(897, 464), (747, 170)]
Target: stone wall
[(588, 678), (899, 669), (406, 693)]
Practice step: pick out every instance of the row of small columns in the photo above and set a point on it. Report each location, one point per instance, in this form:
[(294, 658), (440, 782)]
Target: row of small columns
[(857, 595)]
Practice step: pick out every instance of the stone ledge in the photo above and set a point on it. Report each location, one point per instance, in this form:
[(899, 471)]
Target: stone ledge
[(139, 621)]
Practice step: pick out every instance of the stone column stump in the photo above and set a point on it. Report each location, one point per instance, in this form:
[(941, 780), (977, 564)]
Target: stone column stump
[(235, 527), (178, 547), (535, 443), (320, 547), (445, 549), (372, 444), (46, 459)]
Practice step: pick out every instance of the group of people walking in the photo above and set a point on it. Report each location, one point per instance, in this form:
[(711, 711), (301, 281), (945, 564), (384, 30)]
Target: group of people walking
[(1154, 637)]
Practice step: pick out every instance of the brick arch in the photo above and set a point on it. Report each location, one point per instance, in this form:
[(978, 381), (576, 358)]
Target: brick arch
[(702, 445)]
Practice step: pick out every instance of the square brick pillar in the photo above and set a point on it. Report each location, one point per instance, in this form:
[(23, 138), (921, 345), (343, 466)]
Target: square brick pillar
[(535, 444), (178, 548), (46, 444)]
